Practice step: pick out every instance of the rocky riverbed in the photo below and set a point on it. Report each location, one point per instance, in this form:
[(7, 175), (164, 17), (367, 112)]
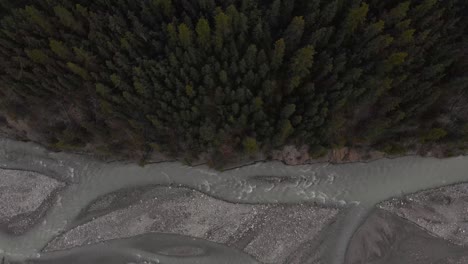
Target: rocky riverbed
[(430, 226), (61, 208), (25, 197), (385, 238), (270, 233)]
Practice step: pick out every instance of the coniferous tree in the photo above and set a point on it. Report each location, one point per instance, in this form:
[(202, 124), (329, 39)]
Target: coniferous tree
[(177, 75)]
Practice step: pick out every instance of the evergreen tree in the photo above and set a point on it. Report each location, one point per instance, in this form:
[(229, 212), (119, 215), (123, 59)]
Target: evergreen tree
[(187, 76)]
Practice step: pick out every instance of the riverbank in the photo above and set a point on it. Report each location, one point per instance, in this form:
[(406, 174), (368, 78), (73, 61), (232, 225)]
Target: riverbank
[(289, 155)]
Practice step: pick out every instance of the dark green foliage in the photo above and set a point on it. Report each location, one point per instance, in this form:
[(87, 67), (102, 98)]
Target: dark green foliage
[(191, 76), (317, 151), (433, 135), (394, 149), (250, 146)]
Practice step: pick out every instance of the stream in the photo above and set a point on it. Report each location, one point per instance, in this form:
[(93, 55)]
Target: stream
[(358, 187)]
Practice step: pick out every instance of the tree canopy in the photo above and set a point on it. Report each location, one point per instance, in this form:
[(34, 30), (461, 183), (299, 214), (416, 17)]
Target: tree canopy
[(192, 76)]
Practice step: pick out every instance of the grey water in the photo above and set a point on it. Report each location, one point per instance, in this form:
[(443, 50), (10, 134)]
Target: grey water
[(149, 249), (356, 186)]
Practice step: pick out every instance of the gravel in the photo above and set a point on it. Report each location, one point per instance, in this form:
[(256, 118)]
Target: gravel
[(442, 211), (270, 233), (385, 238), (25, 197)]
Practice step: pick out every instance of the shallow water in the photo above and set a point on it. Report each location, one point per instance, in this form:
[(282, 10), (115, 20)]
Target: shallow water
[(363, 184), (149, 249)]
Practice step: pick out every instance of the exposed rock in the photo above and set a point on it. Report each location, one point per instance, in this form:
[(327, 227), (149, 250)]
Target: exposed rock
[(20, 129), (353, 155), (19, 126), (385, 238), (338, 155), (442, 211), (270, 233), (434, 150), (345, 155), (24, 198), (292, 155), (375, 155)]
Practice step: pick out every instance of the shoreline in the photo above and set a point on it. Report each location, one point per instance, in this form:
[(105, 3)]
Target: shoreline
[(240, 164)]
